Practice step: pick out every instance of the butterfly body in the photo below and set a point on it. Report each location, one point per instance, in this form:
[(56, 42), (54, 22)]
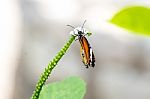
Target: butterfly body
[(86, 51)]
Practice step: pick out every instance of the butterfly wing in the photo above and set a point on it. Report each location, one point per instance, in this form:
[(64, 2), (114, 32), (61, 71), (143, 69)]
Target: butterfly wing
[(86, 52)]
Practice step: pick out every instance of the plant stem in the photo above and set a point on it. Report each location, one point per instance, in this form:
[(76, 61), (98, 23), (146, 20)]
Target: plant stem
[(44, 76)]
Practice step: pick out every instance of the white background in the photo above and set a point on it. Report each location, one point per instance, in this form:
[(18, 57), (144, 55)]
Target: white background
[(33, 31)]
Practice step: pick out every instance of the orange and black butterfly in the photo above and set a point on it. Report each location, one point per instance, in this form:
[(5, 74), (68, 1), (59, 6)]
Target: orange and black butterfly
[(85, 50)]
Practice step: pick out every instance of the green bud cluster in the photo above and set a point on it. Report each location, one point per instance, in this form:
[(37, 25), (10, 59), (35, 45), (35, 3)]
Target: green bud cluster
[(44, 76)]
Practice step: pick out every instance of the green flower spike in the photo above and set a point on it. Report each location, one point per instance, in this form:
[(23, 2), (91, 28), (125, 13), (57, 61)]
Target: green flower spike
[(50, 67)]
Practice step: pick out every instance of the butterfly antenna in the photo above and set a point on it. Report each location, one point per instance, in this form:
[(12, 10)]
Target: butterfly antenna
[(71, 26), (83, 24)]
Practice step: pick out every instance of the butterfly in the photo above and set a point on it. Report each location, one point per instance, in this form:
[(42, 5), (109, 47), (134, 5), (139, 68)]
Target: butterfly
[(86, 51)]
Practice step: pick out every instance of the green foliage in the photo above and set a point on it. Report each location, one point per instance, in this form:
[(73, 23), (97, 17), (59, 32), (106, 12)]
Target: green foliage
[(70, 88), (135, 19), (49, 68)]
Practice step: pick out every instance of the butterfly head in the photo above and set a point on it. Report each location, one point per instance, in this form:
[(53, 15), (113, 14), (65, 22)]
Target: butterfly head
[(80, 31)]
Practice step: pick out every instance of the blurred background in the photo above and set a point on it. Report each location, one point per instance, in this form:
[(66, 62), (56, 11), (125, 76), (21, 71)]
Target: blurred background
[(33, 31)]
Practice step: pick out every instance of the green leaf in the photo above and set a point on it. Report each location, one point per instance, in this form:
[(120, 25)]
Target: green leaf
[(135, 19), (70, 88)]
